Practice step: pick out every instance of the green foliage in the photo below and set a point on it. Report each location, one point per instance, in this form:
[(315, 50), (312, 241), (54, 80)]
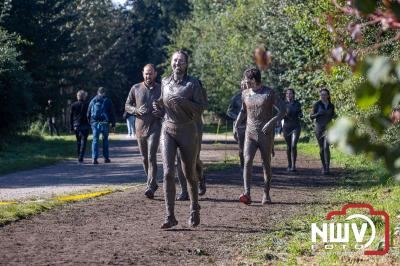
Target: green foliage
[(380, 89), (71, 45), (15, 95), (24, 152), (229, 34)]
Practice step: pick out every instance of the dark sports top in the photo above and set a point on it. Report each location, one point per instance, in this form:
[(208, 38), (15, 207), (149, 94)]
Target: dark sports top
[(322, 114), (78, 118), (293, 114), (234, 108)]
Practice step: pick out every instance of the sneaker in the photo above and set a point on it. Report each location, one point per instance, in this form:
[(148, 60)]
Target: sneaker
[(266, 199), (202, 186), (194, 219), (169, 222), (95, 161), (149, 193), (246, 199), (183, 197), (80, 160), (107, 160), (155, 188)]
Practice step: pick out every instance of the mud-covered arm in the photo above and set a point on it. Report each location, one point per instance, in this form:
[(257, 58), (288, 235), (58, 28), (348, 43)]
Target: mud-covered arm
[(280, 107), (241, 116), (158, 109), (199, 101), (130, 104)]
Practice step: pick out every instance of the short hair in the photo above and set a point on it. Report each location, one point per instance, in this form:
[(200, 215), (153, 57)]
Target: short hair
[(150, 65), (184, 54), (101, 90), (81, 95), (253, 73)]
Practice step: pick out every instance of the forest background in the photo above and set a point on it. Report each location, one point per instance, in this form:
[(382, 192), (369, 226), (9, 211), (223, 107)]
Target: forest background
[(51, 49)]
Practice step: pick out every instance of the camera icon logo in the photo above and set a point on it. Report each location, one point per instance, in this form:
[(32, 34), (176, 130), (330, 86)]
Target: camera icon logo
[(354, 232)]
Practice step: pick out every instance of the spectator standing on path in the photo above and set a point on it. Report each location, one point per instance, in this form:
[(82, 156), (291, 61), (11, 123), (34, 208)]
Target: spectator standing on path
[(233, 112), (292, 128), (183, 101), (79, 123), (51, 114), (101, 114), (148, 123), (323, 112), (258, 106), (130, 124)]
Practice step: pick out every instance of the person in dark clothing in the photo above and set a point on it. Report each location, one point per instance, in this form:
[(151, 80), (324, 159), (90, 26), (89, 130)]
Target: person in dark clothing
[(101, 114), (239, 131), (292, 128), (148, 123), (51, 114), (79, 123), (323, 113)]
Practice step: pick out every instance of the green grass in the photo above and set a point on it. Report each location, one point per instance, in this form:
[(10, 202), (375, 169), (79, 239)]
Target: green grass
[(14, 212), (364, 182), (218, 129), (24, 152)]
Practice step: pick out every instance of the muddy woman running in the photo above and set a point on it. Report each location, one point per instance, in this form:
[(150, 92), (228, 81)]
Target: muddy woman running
[(183, 101)]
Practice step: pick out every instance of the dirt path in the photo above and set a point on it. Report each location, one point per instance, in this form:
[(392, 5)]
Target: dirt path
[(123, 228)]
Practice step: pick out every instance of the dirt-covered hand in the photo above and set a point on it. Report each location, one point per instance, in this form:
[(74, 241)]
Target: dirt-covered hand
[(142, 110), (267, 128)]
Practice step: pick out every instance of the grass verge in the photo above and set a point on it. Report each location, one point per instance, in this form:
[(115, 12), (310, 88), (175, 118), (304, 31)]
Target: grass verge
[(24, 152), (13, 211), (289, 243)]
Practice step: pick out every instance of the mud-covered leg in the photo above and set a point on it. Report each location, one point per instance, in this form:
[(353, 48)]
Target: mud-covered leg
[(153, 142), (188, 160), (265, 151), (250, 148), (199, 163), (241, 136), (168, 151), (184, 195)]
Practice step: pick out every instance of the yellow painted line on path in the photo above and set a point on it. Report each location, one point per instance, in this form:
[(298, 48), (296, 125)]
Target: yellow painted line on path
[(83, 196), (2, 203), (92, 194)]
